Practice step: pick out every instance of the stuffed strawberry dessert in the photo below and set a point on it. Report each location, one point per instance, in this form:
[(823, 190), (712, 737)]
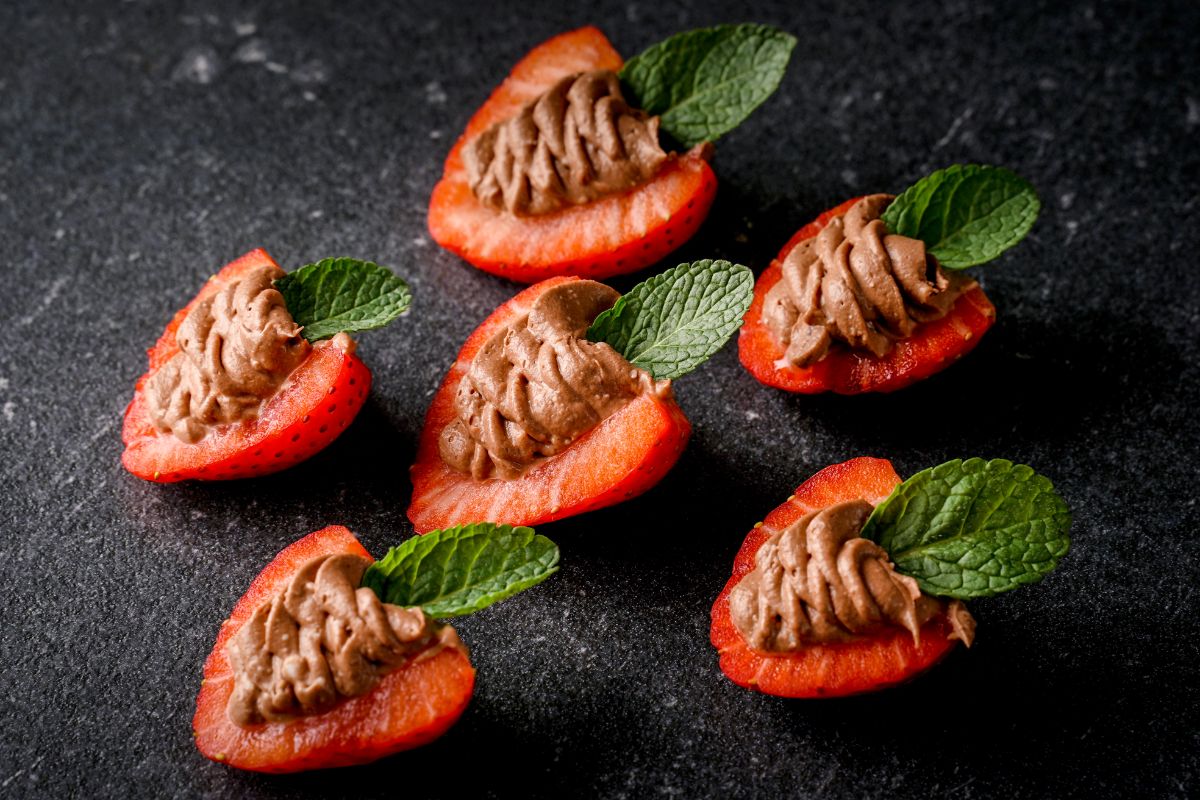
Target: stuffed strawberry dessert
[(857, 582), (332, 659), (870, 298), (561, 401), (258, 372), (563, 171)]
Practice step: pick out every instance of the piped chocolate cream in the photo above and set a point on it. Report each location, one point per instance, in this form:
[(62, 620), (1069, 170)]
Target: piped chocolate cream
[(576, 142), (856, 284), (321, 640), (236, 348), (537, 385), (817, 581)]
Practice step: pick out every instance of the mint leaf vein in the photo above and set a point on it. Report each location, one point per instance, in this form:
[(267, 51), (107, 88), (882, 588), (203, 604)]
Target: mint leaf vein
[(704, 83), (670, 324), (457, 571), (338, 295), (973, 528), (966, 214)]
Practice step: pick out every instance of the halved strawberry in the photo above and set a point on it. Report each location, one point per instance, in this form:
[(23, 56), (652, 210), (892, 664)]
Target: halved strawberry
[(932, 347), (621, 457), (411, 706), (614, 235), (827, 670), (316, 403)]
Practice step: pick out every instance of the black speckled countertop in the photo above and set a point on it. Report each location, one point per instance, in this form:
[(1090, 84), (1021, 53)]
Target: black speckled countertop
[(145, 144)]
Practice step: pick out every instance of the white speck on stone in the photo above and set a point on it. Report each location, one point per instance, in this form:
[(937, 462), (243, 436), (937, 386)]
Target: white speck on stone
[(244, 28), (311, 73), (1066, 200), (435, 95), (276, 67), (1193, 112), (954, 126), (752, 415), (1047, 84), (317, 214), (4, 384), (10, 411), (309, 95), (435, 134), (252, 51), (849, 177), (420, 241), (200, 65), (47, 301), (60, 233), (197, 514)]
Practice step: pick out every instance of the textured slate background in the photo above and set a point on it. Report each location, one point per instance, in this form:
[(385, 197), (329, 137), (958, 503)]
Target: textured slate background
[(146, 144)]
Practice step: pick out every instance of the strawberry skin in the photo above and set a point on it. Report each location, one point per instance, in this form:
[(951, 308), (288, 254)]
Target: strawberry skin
[(411, 706), (827, 670), (613, 235), (316, 403), (623, 456), (932, 347)]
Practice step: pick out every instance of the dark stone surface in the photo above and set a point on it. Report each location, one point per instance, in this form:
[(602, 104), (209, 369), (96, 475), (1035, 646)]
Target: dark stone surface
[(145, 144)]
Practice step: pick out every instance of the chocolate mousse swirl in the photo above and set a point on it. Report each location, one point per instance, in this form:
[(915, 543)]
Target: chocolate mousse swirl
[(321, 640), (856, 284), (818, 581), (577, 142), (235, 349), (537, 385)]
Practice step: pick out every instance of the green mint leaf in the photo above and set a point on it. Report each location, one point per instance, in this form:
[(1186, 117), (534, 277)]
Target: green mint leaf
[(343, 294), (973, 528), (966, 214), (704, 83), (671, 323), (457, 571)]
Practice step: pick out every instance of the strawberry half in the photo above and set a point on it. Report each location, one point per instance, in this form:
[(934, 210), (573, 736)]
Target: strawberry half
[(826, 670), (620, 458), (411, 706), (932, 347), (613, 235), (317, 402)]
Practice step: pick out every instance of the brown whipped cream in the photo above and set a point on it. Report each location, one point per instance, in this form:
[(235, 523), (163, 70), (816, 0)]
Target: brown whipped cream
[(818, 581), (857, 284), (577, 142), (321, 640), (235, 350), (537, 385)]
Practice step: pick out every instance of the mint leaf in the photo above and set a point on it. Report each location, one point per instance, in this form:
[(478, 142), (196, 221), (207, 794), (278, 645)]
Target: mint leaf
[(672, 323), (973, 528), (457, 571), (966, 214), (704, 83), (343, 294)]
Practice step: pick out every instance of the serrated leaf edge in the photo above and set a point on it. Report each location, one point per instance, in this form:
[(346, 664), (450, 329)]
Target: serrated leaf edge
[(896, 221), (1063, 516)]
